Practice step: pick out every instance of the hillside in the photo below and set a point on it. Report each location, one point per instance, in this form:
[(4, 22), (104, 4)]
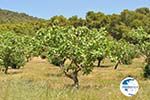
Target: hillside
[(7, 16), (19, 23)]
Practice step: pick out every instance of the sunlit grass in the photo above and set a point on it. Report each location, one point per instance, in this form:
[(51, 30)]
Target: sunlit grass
[(39, 80)]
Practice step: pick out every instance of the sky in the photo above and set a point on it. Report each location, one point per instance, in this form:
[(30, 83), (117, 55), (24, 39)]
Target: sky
[(48, 8)]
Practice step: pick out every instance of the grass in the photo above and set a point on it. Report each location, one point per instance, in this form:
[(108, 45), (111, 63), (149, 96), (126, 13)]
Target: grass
[(39, 80)]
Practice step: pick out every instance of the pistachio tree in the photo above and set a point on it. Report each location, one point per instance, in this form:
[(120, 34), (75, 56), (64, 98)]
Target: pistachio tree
[(141, 39), (79, 46), (122, 52), (14, 50)]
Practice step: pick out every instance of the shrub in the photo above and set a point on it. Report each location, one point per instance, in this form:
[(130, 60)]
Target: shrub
[(147, 71)]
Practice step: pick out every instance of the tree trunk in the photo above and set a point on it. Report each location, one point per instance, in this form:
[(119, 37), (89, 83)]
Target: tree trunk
[(75, 79), (116, 66), (6, 69), (73, 75), (14, 66), (99, 61)]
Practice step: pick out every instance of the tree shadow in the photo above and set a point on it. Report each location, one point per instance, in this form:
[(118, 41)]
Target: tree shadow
[(104, 66), (54, 75)]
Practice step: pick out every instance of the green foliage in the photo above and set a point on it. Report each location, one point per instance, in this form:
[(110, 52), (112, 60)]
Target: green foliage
[(123, 52), (80, 45), (15, 50), (57, 61), (117, 25), (77, 22), (145, 49), (59, 21), (23, 28), (136, 36), (11, 53), (96, 20), (143, 41), (81, 41)]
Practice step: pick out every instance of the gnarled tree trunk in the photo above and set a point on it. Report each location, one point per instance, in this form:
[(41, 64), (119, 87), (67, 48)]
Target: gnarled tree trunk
[(72, 75), (76, 81)]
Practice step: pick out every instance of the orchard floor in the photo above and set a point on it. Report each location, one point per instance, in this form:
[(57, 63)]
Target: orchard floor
[(39, 80)]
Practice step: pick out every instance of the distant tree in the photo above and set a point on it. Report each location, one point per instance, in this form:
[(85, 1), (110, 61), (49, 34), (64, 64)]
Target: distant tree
[(76, 22), (143, 10), (96, 20), (59, 21)]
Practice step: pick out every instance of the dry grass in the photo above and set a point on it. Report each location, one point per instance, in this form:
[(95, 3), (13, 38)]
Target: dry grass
[(39, 80)]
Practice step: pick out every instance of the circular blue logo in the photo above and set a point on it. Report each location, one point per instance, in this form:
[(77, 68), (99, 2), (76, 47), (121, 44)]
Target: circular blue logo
[(129, 86)]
